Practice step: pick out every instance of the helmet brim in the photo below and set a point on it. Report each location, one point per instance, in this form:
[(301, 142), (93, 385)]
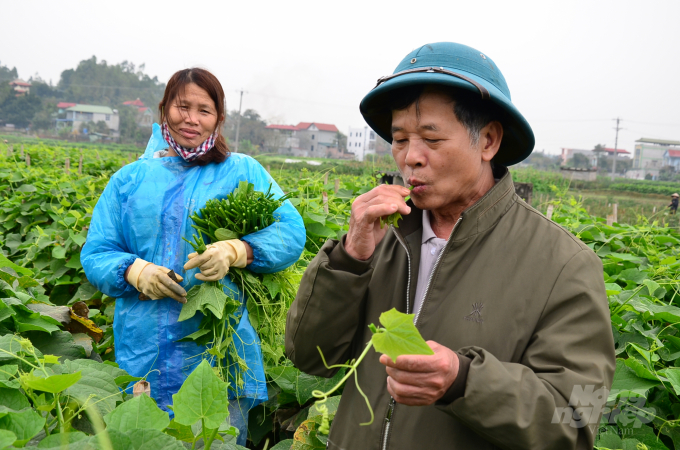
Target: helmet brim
[(518, 138)]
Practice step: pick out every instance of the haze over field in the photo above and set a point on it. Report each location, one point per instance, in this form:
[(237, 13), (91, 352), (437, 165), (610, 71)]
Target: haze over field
[(572, 67)]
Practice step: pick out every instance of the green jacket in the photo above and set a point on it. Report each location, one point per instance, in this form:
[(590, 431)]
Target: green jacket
[(519, 298)]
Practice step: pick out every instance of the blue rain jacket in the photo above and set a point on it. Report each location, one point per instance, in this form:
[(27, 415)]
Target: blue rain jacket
[(144, 213)]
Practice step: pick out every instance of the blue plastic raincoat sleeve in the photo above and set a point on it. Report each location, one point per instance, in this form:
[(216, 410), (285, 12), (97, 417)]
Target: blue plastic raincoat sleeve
[(105, 256), (280, 244)]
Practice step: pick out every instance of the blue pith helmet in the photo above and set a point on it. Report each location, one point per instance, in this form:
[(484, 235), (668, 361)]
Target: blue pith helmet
[(458, 66)]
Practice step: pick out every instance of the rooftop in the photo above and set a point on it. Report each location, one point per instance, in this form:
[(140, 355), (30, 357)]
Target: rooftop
[(657, 141), (136, 102), (320, 126), (19, 82), (281, 127), (91, 109), (64, 105)]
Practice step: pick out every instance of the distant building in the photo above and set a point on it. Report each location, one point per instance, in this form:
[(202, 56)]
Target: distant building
[(63, 106), (144, 117), (361, 142), (20, 87), (568, 153), (649, 158), (75, 115), (672, 158), (308, 139)]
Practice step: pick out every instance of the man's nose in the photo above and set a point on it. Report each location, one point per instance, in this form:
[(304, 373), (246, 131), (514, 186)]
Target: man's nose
[(415, 156)]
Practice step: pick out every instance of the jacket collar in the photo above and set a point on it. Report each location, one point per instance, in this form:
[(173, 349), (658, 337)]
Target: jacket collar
[(478, 217)]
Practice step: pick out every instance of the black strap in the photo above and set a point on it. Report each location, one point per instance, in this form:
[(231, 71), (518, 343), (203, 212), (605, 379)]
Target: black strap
[(482, 90)]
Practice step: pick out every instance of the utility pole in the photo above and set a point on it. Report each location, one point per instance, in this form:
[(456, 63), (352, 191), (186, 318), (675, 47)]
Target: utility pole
[(238, 121), (616, 143)]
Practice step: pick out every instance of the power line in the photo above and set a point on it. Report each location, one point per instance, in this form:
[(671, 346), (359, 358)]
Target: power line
[(616, 146)]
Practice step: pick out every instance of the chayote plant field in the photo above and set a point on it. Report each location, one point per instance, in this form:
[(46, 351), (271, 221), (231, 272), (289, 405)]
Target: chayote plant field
[(61, 388)]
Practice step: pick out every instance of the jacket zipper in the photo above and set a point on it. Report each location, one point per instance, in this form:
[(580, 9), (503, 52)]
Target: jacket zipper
[(390, 410)]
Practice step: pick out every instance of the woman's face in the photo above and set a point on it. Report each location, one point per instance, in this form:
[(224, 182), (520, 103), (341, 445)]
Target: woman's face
[(191, 116)]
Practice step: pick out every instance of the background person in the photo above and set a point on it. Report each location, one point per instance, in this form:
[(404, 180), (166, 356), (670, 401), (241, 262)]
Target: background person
[(513, 306), (674, 203), (135, 238)]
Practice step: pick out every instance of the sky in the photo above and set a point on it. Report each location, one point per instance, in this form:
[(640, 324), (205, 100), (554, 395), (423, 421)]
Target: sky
[(572, 67)]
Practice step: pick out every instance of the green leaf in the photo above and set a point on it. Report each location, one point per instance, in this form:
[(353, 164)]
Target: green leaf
[(285, 377), (627, 384), (52, 384), (4, 262), (24, 424), (204, 297), (59, 343), (673, 375), (202, 396), (27, 188), (7, 438), (305, 384), (286, 444), (332, 404), (179, 431), (152, 439), (7, 373), (62, 440), (320, 230), (96, 386), (140, 412), (37, 322), (223, 234), (401, 337), (13, 399), (59, 252)]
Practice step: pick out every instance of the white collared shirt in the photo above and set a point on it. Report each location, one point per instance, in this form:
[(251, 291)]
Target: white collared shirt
[(430, 248)]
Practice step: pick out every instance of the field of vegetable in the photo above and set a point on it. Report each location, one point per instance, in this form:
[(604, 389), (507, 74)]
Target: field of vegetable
[(60, 386)]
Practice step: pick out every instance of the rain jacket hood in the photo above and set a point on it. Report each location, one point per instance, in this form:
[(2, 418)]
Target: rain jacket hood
[(144, 213)]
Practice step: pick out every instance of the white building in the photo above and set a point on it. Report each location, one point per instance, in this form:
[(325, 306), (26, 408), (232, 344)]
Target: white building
[(361, 142), (77, 114)]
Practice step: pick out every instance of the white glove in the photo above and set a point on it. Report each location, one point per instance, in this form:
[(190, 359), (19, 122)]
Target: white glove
[(154, 282), (215, 261)]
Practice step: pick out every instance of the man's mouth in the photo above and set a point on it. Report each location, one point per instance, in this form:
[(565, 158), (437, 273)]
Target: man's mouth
[(417, 186)]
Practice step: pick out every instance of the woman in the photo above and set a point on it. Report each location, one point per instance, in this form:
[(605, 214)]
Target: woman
[(135, 238)]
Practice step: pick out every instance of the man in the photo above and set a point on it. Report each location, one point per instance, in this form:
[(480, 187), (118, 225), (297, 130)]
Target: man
[(674, 203), (513, 306)]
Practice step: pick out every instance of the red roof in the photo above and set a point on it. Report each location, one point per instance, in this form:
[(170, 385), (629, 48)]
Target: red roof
[(674, 153), (618, 151), (320, 126), (64, 105), (282, 127), (19, 83), (143, 109), (137, 102)]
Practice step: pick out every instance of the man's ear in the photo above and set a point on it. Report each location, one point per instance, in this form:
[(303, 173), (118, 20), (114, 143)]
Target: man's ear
[(490, 138)]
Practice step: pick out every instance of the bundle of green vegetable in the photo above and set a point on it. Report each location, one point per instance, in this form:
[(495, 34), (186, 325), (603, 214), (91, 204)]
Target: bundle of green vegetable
[(268, 296)]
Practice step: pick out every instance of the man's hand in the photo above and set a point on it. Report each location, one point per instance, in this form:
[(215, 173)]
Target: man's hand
[(420, 380), (364, 224)]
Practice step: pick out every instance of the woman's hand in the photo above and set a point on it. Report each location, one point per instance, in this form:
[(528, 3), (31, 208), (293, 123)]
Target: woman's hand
[(154, 282), (215, 261), (364, 224)]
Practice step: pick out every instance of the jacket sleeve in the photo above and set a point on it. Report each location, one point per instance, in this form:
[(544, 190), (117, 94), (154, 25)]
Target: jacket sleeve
[(105, 256), (555, 396), (326, 312), (280, 244)]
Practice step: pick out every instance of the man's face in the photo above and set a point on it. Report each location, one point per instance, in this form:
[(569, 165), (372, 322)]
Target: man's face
[(435, 155)]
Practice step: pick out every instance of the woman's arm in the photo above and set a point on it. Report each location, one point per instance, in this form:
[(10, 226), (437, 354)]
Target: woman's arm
[(280, 244), (105, 256)]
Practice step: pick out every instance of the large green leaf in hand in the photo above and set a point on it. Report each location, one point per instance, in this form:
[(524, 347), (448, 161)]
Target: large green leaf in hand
[(202, 396), (207, 297), (400, 336)]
